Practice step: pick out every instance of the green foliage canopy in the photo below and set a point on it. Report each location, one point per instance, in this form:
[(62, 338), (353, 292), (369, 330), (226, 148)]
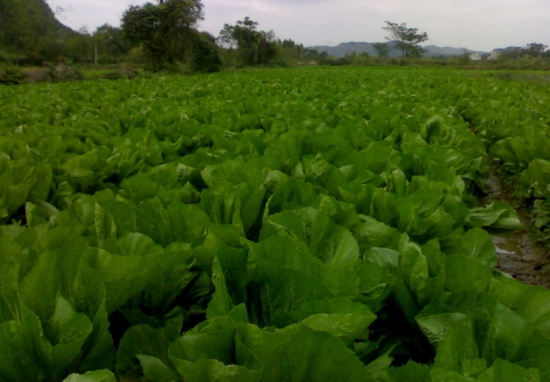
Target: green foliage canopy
[(536, 49), (381, 48), (254, 47), (30, 28), (408, 39), (165, 30), (111, 41), (205, 56)]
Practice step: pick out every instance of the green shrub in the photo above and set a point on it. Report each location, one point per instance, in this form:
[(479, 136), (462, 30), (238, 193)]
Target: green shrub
[(63, 71), (124, 72), (205, 56), (12, 76)]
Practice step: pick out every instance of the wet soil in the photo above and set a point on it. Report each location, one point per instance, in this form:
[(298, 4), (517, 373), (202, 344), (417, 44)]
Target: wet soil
[(518, 253)]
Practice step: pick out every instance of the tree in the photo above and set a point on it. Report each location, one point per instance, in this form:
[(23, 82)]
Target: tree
[(78, 47), (267, 48), (408, 39), (288, 44), (111, 44), (113, 40), (255, 47), (291, 50), (536, 49), (165, 30), (205, 56), (381, 48)]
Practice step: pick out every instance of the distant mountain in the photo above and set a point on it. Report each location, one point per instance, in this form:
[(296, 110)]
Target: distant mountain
[(446, 51), (511, 50), (344, 48), (359, 47), (24, 23)]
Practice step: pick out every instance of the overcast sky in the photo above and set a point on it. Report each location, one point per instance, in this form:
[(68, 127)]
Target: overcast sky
[(474, 24)]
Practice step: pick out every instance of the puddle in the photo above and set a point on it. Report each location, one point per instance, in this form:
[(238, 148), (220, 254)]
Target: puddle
[(507, 246), (518, 254), (521, 258)]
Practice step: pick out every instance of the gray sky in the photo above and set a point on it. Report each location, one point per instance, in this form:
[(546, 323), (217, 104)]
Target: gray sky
[(474, 24)]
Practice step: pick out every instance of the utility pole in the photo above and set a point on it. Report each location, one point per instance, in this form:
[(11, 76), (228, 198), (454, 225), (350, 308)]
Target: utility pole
[(95, 54)]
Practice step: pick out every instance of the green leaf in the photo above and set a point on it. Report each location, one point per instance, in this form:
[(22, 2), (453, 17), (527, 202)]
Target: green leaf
[(10, 302), (215, 340), (178, 222), (294, 194), (208, 352), (411, 372), (172, 274), (143, 340), (497, 215), (534, 181), (465, 273), (496, 330), (422, 216), (298, 353), (72, 330), (458, 348), (330, 242), (92, 376), (24, 337), (89, 298), (530, 302), (215, 371), (221, 303), (105, 226), (477, 244), (282, 289), (342, 318), (155, 370), (240, 206), (127, 272), (372, 233), (504, 371), (442, 375)]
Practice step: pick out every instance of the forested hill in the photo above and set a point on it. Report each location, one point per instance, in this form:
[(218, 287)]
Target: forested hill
[(26, 25), (359, 47)]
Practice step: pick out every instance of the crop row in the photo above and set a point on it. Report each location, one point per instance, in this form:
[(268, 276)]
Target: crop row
[(513, 118)]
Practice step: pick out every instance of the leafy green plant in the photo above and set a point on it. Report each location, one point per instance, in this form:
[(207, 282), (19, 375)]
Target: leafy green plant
[(268, 225)]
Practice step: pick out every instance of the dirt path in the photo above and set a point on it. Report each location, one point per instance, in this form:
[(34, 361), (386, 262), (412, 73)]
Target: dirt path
[(518, 253)]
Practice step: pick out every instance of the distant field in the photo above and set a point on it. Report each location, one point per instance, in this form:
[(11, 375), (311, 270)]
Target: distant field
[(307, 224)]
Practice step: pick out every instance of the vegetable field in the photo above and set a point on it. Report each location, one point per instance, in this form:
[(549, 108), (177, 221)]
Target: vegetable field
[(305, 224)]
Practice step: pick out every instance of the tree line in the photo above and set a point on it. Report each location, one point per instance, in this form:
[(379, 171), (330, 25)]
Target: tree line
[(160, 36)]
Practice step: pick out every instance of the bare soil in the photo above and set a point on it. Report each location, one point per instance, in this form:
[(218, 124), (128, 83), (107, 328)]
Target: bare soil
[(518, 253)]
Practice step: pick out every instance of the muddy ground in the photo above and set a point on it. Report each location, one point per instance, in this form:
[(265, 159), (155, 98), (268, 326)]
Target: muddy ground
[(518, 253)]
